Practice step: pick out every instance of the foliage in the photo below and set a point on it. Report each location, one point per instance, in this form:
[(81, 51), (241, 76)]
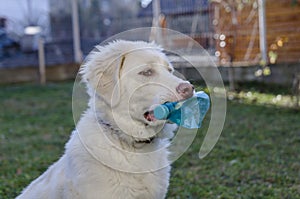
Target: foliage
[(257, 155)]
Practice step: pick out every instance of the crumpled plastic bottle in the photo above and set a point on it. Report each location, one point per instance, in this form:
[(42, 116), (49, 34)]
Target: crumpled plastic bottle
[(188, 113)]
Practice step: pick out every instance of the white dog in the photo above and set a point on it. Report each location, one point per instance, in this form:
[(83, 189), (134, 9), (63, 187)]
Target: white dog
[(118, 149)]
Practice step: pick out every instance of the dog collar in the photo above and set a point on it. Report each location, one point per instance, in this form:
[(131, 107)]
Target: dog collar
[(147, 141), (112, 128)]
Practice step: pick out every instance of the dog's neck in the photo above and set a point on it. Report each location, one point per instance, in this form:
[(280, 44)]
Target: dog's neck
[(126, 131), (117, 133)]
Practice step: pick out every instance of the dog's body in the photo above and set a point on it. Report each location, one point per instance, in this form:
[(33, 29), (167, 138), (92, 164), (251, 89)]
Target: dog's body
[(117, 150)]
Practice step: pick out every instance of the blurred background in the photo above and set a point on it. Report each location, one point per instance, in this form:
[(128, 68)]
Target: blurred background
[(250, 40)]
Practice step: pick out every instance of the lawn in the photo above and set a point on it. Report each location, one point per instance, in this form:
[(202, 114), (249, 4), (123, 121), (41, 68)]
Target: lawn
[(257, 155)]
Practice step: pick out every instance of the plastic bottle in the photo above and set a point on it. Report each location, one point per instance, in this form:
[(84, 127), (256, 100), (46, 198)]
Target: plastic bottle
[(188, 113)]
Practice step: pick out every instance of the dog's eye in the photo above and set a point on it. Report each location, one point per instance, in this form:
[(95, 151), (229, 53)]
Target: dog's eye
[(147, 73)]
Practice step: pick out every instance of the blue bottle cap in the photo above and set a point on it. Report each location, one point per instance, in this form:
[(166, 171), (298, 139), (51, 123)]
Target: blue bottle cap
[(161, 112)]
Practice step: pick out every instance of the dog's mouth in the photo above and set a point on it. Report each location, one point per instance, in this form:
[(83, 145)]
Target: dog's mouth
[(149, 116)]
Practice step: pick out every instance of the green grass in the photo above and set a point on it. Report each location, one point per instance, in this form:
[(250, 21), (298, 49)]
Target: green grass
[(257, 155), (35, 122)]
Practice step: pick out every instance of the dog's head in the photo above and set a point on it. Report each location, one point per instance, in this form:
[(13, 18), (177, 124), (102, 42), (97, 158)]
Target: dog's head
[(126, 80)]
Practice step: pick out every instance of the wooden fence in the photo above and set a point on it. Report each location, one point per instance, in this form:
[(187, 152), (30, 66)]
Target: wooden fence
[(237, 34)]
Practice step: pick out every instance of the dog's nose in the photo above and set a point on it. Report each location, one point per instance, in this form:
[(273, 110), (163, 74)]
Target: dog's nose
[(185, 90)]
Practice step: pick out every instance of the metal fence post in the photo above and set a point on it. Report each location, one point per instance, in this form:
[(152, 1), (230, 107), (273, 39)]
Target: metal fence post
[(262, 31)]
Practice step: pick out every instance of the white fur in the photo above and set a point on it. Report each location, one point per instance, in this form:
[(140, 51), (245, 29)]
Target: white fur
[(106, 156)]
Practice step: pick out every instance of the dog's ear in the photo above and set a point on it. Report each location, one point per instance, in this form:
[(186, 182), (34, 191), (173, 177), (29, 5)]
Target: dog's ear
[(109, 87), (103, 78)]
